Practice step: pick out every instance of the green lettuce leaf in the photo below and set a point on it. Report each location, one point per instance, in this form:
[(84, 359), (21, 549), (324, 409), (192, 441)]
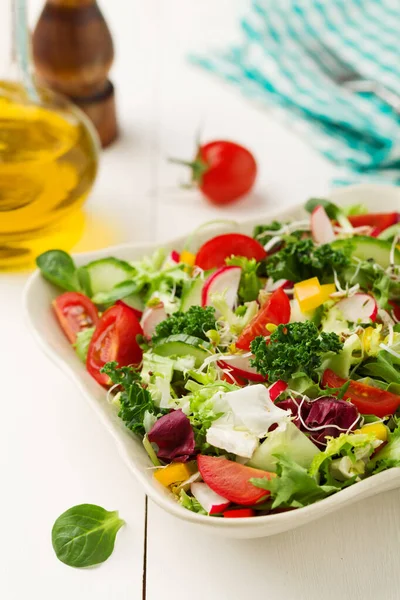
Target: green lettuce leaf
[(82, 342), (355, 448), (389, 456), (191, 503), (294, 487), (250, 283)]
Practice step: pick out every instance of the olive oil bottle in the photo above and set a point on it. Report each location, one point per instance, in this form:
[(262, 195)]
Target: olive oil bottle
[(48, 162)]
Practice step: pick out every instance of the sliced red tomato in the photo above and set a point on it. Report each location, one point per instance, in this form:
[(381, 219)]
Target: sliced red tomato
[(368, 399), (75, 312), (276, 389), (379, 221), (276, 310), (114, 340), (213, 253), (232, 480), (137, 312), (239, 513)]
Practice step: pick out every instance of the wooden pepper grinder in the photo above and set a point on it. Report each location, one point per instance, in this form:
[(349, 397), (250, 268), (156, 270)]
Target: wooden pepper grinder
[(73, 53)]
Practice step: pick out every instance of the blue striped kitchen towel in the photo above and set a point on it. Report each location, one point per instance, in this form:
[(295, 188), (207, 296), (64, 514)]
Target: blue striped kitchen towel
[(272, 64)]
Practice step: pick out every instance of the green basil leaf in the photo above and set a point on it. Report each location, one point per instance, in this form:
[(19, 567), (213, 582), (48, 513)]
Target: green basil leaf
[(85, 535), (58, 267)]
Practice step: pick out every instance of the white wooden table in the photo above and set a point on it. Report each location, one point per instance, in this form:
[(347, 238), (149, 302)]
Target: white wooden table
[(54, 453)]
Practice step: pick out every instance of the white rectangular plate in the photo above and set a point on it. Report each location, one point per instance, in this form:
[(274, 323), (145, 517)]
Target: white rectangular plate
[(38, 296)]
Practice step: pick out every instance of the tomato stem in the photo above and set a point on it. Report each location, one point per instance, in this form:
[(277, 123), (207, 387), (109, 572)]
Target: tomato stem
[(199, 167)]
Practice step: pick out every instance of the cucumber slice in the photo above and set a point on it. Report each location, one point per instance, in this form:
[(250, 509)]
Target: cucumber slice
[(191, 295), (291, 442), (390, 232), (183, 345), (101, 276), (134, 301), (365, 248)]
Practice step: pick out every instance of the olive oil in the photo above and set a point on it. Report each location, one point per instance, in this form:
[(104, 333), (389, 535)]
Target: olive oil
[(48, 163)]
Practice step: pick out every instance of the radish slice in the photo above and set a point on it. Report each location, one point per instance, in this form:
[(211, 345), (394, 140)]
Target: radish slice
[(174, 256), (276, 389), (240, 365), (151, 317), (321, 226), (272, 286), (225, 281), (360, 308), (171, 260), (211, 501)]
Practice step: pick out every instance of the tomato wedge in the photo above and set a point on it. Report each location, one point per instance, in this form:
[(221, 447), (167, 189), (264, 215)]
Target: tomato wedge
[(276, 310), (75, 312), (369, 400), (232, 480), (213, 253), (114, 340), (379, 221)]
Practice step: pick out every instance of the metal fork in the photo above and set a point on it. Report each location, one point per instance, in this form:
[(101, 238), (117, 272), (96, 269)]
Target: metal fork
[(346, 76)]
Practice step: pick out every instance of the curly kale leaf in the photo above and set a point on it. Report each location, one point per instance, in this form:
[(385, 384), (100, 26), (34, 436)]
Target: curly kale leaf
[(302, 260), (264, 233), (195, 322), (291, 349), (134, 399)]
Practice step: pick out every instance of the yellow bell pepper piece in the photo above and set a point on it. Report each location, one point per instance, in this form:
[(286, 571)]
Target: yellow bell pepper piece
[(310, 293), (173, 473), (307, 294), (378, 429), (326, 290), (187, 257)]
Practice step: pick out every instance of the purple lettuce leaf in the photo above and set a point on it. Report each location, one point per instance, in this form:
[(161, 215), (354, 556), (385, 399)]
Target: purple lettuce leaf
[(174, 437), (325, 416)]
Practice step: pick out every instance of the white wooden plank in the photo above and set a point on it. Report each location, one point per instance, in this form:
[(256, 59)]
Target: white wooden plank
[(54, 454), (350, 554)]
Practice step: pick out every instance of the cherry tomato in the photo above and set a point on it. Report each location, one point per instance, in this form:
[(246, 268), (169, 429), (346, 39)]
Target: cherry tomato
[(379, 221), (276, 310), (213, 253), (114, 340), (369, 400), (137, 312), (223, 171), (75, 312)]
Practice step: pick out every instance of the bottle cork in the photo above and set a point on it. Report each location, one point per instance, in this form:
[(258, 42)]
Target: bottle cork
[(73, 53)]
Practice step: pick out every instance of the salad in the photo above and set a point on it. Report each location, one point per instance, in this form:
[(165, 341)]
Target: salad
[(262, 373)]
